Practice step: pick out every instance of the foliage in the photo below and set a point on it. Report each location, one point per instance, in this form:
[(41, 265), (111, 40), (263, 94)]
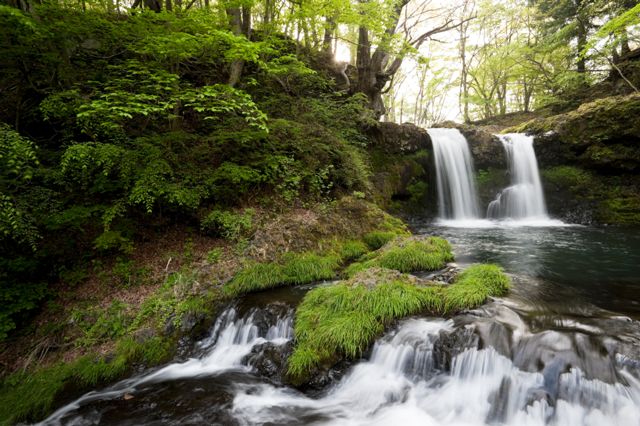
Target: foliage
[(228, 224)]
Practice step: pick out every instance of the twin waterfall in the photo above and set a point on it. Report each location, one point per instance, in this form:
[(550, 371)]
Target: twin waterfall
[(521, 201)]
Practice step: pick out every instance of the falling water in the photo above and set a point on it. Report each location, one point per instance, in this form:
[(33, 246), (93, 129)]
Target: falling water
[(523, 199), (225, 349), (457, 197)]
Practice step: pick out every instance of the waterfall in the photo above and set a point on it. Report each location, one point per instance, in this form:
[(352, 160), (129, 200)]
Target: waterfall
[(523, 199), (457, 197)]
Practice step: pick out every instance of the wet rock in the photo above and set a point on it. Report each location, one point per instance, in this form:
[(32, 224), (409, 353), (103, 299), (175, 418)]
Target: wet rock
[(447, 275), (452, 344), (270, 360), (324, 378)]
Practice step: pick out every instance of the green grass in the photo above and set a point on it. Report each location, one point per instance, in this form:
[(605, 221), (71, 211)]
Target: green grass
[(342, 320), (377, 239), (407, 255), (294, 268), (352, 249), (30, 396)]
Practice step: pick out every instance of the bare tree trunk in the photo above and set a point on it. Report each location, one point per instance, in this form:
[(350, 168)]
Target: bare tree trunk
[(234, 14)]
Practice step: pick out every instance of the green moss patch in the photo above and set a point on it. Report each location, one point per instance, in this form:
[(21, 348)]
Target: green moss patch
[(408, 255), (294, 268), (343, 319)]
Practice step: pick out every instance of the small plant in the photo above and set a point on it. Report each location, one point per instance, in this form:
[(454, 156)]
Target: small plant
[(214, 255), (377, 239), (228, 224)]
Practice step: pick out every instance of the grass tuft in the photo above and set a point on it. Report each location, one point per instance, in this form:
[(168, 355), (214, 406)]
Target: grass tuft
[(377, 239), (343, 319), (295, 268)]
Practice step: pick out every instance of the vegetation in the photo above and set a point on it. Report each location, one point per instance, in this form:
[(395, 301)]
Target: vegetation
[(342, 320), (30, 396), (407, 255)]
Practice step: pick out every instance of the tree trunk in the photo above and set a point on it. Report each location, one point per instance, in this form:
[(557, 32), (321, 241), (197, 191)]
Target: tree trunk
[(329, 30), (240, 24), (582, 42)]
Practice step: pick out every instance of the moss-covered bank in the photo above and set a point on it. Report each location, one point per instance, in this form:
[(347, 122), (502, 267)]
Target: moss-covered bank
[(342, 320)]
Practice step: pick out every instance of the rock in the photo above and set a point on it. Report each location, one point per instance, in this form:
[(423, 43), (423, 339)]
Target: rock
[(451, 344), (270, 360), (404, 138)]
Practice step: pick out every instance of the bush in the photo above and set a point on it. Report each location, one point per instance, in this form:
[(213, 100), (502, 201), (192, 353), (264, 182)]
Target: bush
[(228, 224)]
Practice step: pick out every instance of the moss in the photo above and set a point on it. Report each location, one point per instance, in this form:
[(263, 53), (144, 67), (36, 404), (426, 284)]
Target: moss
[(342, 320), (597, 121), (407, 255), (294, 268), (568, 177), (377, 239), (473, 286), (621, 208), (29, 396)]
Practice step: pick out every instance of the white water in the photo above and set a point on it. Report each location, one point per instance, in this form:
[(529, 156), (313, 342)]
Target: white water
[(457, 196), (523, 199), (399, 386), (230, 341)]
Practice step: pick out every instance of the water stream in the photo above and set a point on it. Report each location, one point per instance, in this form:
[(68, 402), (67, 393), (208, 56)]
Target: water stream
[(562, 349)]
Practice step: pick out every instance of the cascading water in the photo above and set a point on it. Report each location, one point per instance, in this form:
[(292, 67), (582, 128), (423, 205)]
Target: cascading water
[(523, 199), (457, 196), (426, 372), (229, 343)]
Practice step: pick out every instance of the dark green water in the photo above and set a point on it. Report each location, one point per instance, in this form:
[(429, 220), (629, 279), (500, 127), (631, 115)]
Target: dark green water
[(566, 265)]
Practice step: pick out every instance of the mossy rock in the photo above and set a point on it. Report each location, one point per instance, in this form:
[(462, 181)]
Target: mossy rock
[(342, 320)]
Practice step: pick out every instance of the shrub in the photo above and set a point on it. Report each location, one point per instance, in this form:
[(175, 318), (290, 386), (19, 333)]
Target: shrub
[(228, 224)]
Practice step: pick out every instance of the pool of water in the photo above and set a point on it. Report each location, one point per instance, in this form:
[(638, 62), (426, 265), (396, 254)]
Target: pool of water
[(565, 265)]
